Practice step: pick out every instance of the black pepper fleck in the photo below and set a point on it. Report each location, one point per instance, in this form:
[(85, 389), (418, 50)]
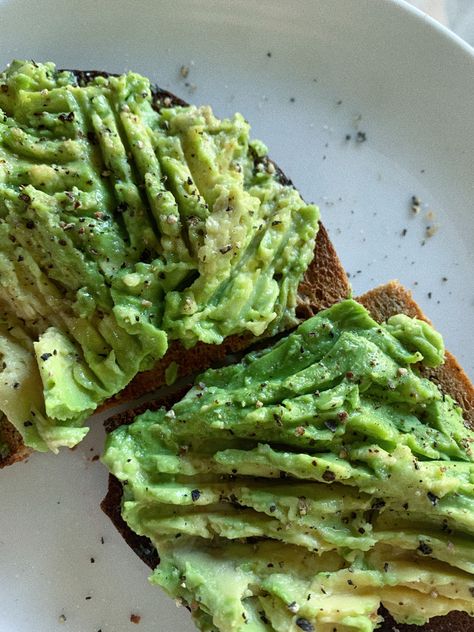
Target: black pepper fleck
[(66, 118), (378, 503), (425, 548), (331, 425)]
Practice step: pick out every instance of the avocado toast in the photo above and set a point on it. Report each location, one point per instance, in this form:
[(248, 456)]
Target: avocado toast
[(324, 273), (122, 233), (313, 505)]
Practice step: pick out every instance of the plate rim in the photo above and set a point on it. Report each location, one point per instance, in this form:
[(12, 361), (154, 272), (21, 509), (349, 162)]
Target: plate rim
[(437, 26)]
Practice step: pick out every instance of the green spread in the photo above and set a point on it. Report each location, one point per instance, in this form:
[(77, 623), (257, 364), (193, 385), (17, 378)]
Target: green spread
[(122, 227), (303, 487)]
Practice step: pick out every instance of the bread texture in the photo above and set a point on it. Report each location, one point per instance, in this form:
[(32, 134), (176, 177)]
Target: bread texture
[(15, 449), (382, 302), (324, 283)]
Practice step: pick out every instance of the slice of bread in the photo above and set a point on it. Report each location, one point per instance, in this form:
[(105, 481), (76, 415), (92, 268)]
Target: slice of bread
[(382, 302), (324, 283)]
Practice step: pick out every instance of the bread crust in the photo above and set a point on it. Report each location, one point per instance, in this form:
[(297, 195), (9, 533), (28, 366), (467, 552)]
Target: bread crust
[(382, 302), (10, 437), (324, 283)]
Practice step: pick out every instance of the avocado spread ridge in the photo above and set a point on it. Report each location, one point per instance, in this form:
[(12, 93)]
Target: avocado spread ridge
[(122, 227), (309, 484)]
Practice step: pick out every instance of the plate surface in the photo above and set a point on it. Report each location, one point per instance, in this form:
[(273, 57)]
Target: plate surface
[(308, 75)]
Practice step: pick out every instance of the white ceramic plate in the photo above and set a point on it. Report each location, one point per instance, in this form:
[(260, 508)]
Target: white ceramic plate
[(306, 74)]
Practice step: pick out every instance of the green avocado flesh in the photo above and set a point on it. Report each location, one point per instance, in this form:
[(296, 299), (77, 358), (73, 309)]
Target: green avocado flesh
[(303, 487), (121, 228)]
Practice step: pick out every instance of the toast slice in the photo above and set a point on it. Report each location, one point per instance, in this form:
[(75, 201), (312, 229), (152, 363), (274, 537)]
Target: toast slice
[(324, 283), (382, 302)]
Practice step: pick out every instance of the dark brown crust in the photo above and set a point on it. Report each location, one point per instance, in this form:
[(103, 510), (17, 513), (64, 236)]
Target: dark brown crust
[(382, 302), (324, 283), (452, 622), (10, 437)]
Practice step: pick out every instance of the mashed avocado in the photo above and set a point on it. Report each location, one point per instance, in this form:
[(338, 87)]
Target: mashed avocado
[(122, 227), (308, 484)]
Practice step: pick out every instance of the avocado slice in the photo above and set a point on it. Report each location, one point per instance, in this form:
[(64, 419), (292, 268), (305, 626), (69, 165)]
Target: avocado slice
[(310, 483), (124, 226)]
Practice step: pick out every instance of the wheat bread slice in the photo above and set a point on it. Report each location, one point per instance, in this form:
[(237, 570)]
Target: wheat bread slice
[(382, 302), (324, 283)]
